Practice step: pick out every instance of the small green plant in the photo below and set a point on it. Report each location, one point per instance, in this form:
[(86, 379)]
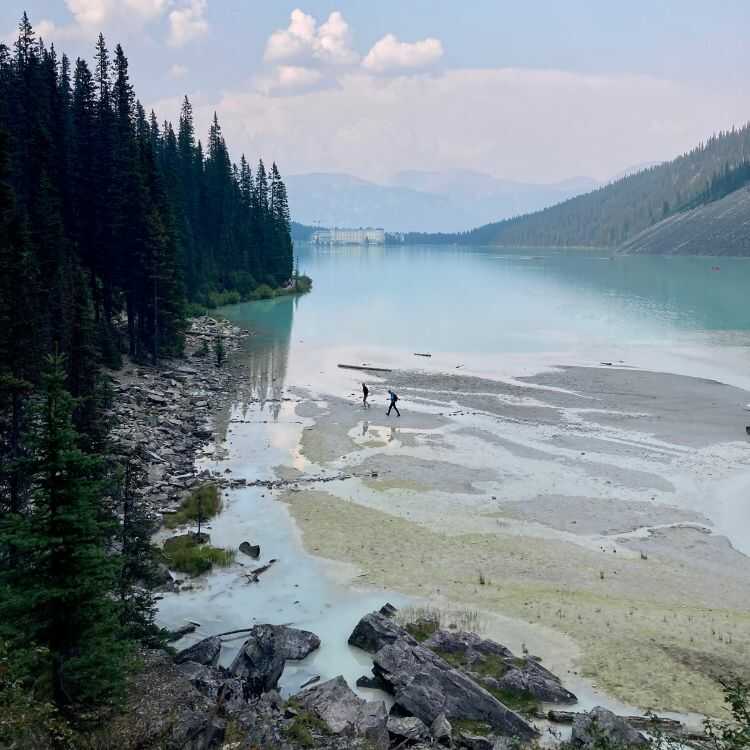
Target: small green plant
[(202, 504), (301, 729), (189, 554), (203, 350), (219, 350)]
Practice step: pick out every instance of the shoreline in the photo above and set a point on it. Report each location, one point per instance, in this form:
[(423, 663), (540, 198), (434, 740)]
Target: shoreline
[(415, 495)]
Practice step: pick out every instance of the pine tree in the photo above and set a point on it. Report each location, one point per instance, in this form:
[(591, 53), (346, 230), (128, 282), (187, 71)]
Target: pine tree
[(138, 569), (58, 594)]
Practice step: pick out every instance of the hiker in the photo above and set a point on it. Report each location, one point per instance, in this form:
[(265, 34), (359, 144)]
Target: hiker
[(365, 394), (392, 398)]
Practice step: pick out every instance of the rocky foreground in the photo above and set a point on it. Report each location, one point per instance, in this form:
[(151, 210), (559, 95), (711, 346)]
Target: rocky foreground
[(445, 691)]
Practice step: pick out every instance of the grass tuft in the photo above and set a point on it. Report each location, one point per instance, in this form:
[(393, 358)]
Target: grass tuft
[(187, 554), (470, 726)]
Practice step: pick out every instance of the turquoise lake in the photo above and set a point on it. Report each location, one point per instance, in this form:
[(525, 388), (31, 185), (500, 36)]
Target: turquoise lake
[(507, 312)]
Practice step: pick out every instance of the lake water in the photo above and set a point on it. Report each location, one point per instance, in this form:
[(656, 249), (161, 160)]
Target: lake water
[(508, 313)]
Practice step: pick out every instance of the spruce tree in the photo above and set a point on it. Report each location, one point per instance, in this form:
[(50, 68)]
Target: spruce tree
[(58, 595)]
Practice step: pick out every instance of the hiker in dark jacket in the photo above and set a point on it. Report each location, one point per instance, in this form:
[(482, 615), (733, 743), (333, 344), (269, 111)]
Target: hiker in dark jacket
[(365, 394), (393, 398)]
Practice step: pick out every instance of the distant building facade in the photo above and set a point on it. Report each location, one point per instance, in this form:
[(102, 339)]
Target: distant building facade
[(341, 236)]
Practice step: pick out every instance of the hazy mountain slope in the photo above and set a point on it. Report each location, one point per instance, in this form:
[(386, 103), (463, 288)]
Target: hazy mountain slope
[(447, 201), (718, 228), (618, 211), (343, 200)]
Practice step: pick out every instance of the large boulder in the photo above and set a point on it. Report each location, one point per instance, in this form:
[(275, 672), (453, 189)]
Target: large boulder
[(376, 630), (599, 724), (528, 677), (204, 652), (217, 684), (260, 662), (345, 713), (496, 668), (425, 686)]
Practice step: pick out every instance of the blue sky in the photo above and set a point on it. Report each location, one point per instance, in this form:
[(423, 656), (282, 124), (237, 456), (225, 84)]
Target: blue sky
[(536, 90)]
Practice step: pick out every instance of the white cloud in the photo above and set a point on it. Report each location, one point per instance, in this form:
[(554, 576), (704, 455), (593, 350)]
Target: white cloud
[(91, 16), (178, 71), (541, 125), (97, 13), (389, 54), (187, 23), (147, 9), (304, 41), (297, 77), (91, 12)]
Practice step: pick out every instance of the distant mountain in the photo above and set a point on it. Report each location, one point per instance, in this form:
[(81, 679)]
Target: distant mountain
[(444, 201), (618, 211)]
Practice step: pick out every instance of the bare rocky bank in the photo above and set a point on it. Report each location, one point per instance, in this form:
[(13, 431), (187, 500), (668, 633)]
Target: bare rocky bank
[(164, 416), (448, 689)]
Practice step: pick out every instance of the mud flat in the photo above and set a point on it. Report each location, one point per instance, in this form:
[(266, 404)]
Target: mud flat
[(603, 505)]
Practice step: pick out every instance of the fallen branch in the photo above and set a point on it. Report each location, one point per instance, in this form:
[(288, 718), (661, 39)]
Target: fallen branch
[(365, 367)]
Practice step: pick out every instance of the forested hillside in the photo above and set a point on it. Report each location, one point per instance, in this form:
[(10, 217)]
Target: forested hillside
[(609, 216), (111, 225), (112, 214)]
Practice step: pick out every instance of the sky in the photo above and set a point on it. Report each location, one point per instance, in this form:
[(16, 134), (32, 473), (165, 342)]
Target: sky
[(537, 91)]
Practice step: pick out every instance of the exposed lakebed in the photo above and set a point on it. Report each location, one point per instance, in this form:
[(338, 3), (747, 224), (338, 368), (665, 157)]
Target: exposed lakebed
[(603, 506)]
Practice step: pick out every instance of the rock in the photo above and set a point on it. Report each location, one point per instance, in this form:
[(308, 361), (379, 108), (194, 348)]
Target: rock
[(425, 686), (388, 610), (599, 723), (165, 710), (407, 728), (345, 713), (163, 581), (494, 666), (204, 652), (474, 741), (376, 630), (181, 632), (441, 729), (371, 682), (204, 431), (533, 679), (372, 723), (251, 550), (261, 659), (459, 642)]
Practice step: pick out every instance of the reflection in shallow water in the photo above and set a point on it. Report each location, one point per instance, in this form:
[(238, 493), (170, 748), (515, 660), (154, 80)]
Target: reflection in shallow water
[(267, 353)]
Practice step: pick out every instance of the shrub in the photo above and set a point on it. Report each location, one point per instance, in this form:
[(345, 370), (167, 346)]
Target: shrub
[(202, 503), (219, 299), (263, 292), (302, 284)]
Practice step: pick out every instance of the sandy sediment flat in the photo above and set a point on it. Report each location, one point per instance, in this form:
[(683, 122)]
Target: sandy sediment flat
[(592, 501)]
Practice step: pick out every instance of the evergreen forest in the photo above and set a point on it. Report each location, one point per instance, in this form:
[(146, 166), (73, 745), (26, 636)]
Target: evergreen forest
[(114, 227)]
